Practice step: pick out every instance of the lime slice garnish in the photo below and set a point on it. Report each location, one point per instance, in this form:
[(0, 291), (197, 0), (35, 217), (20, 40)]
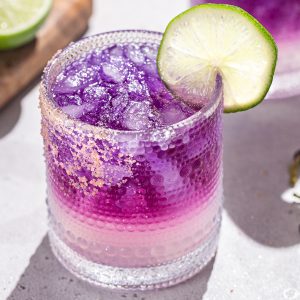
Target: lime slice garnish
[(212, 39), (20, 19)]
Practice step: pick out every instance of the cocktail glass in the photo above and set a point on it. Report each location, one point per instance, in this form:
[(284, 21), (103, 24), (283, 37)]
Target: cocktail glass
[(282, 19), (131, 209)]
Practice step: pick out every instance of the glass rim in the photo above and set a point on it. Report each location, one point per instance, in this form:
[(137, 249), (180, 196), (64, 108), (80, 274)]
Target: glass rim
[(47, 100)]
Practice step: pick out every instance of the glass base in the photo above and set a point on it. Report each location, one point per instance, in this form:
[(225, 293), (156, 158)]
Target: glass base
[(285, 85), (135, 278)]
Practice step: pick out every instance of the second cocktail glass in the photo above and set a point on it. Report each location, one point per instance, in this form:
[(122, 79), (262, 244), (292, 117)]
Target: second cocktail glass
[(282, 19)]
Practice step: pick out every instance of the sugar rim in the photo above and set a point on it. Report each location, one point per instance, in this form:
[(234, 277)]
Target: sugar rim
[(135, 35)]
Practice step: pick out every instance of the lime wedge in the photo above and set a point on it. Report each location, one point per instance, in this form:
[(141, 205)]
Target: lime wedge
[(212, 39), (20, 20)]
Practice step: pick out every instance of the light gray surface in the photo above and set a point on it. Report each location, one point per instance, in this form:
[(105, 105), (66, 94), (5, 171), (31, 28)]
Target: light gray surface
[(259, 250)]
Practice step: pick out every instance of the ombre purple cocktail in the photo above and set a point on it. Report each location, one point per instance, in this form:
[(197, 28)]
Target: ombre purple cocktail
[(134, 174)]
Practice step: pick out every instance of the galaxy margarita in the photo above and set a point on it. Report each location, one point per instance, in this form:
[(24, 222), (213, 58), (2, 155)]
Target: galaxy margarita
[(134, 174)]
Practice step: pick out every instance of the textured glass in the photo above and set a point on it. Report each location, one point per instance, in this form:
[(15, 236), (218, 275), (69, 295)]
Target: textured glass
[(131, 209)]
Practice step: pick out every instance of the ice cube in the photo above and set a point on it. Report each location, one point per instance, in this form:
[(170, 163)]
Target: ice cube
[(74, 111), (150, 68), (172, 114), (65, 99), (136, 116), (113, 73), (121, 100), (72, 83), (155, 85), (149, 52), (95, 94), (137, 87), (98, 57), (116, 51), (77, 111), (134, 53), (112, 114)]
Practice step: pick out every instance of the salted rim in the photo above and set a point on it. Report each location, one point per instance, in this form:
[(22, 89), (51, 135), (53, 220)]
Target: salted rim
[(134, 35)]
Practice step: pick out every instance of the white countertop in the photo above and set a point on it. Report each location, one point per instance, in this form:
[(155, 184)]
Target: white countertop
[(259, 249)]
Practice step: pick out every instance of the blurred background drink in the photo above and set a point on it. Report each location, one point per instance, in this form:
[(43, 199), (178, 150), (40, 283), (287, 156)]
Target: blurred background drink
[(282, 19)]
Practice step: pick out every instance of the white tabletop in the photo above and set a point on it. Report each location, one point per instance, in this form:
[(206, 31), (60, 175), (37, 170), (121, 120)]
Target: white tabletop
[(259, 250)]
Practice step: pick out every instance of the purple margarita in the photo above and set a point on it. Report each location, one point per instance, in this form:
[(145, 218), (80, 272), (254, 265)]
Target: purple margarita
[(282, 19), (134, 175)]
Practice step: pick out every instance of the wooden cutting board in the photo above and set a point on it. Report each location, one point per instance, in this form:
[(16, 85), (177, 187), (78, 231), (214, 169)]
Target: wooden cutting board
[(67, 21)]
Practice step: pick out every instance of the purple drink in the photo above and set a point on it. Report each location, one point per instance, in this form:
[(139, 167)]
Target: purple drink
[(134, 175), (118, 88), (282, 19)]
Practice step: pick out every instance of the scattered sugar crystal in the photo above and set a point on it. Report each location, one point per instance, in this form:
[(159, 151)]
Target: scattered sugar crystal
[(135, 86), (95, 94)]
